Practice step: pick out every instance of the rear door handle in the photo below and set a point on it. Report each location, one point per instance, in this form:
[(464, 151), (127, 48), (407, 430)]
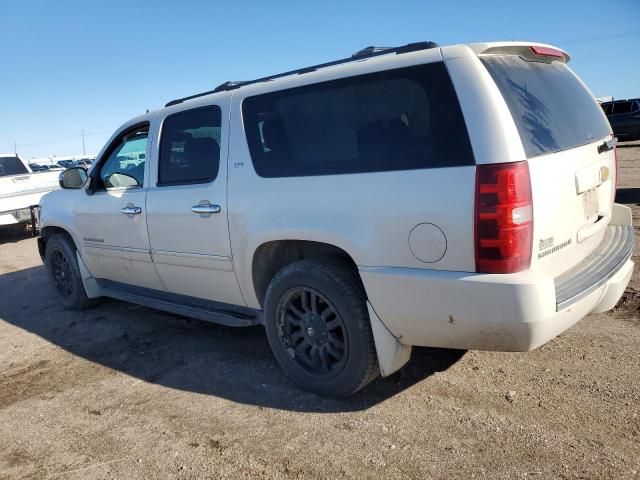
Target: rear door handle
[(205, 209), (131, 210)]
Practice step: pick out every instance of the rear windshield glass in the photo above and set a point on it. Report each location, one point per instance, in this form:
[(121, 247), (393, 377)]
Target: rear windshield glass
[(11, 166), (551, 108), (394, 120)]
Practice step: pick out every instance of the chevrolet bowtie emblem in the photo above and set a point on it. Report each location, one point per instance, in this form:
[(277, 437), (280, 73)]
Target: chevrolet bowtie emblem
[(604, 174)]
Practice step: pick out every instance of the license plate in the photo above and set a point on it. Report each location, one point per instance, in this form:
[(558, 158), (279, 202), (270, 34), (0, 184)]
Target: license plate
[(590, 203)]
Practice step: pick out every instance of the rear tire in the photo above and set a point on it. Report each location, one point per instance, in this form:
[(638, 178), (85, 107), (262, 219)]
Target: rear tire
[(317, 324), (64, 273)]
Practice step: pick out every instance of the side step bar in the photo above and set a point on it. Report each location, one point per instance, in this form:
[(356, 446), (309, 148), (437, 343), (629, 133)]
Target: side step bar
[(209, 311)]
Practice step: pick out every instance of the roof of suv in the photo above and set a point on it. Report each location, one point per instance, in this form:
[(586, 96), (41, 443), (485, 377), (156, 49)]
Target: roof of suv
[(370, 53), (373, 56)]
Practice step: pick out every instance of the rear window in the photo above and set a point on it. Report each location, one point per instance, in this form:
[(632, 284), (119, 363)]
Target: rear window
[(395, 120), (11, 166), (551, 108)]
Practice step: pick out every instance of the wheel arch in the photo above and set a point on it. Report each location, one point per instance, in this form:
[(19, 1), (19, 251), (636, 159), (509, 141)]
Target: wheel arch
[(271, 256), (46, 233)]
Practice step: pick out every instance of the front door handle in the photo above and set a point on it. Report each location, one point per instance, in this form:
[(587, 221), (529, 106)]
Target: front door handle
[(131, 210), (205, 209)]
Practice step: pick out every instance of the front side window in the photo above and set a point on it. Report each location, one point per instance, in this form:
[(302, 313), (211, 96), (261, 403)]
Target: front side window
[(124, 168), (400, 119), (190, 147)]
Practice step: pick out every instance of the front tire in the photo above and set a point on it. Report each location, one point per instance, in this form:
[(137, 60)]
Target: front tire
[(317, 324), (64, 273)]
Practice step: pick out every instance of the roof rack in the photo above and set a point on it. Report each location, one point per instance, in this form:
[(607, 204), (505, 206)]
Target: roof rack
[(365, 53)]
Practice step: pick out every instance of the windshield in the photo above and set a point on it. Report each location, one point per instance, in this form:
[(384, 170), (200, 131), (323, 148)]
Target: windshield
[(11, 166), (551, 108)]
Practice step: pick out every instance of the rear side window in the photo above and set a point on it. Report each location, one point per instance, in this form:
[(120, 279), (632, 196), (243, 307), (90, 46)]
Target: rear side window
[(395, 120), (11, 166), (551, 108), (190, 147)]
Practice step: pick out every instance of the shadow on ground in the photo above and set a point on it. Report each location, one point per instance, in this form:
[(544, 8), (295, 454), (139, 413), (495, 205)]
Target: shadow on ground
[(186, 354), (8, 236), (628, 195)]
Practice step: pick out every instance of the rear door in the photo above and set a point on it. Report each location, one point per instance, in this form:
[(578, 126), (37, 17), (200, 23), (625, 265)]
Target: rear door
[(187, 205), (567, 142)]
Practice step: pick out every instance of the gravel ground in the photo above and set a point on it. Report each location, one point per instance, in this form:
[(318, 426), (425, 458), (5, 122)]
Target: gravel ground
[(122, 391)]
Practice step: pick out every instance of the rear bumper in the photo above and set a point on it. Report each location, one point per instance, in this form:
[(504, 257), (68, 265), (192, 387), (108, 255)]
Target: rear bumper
[(514, 312), (12, 217)]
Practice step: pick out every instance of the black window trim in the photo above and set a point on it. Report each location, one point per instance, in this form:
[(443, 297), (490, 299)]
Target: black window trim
[(94, 177), (161, 135)]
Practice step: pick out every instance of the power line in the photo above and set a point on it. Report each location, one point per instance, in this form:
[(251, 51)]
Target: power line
[(598, 38), (64, 139)]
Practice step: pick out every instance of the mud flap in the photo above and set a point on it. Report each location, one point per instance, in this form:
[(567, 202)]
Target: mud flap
[(392, 355), (90, 285)]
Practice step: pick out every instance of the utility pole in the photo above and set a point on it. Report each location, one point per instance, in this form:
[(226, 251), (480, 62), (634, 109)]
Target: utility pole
[(84, 152), (15, 148)]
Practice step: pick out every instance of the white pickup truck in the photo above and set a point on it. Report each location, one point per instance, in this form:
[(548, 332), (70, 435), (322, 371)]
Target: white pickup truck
[(19, 189)]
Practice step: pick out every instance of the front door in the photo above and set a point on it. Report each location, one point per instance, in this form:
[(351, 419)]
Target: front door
[(187, 206), (112, 221)]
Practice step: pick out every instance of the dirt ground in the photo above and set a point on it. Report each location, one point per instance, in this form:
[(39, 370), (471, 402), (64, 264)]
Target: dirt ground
[(122, 391)]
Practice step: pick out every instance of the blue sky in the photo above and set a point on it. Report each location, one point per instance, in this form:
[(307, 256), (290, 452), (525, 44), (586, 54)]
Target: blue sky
[(70, 65)]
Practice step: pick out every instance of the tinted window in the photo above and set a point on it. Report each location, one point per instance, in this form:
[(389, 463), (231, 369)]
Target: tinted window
[(606, 107), (551, 108), (622, 107), (11, 166), (396, 120), (190, 147), (125, 165)]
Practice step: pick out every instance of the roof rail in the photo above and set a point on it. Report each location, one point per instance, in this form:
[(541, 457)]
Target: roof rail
[(365, 53)]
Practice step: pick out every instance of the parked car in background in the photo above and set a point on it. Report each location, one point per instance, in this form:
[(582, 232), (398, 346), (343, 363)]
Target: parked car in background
[(83, 163), (38, 168), (457, 197), (624, 117), (20, 189), (66, 163)]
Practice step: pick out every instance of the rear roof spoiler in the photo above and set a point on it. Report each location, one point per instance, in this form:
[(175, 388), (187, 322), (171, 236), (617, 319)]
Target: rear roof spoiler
[(533, 52)]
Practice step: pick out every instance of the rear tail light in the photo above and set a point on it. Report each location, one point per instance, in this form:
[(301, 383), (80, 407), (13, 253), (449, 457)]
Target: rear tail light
[(503, 218)]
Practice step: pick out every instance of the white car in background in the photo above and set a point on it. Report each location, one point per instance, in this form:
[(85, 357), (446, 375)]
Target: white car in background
[(458, 196), (20, 189)]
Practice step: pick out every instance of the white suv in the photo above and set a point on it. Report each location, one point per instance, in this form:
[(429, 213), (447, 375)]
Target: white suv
[(458, 196)]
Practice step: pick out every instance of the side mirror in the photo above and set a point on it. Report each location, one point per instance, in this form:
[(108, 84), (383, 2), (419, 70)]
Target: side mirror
[(73, 178)]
